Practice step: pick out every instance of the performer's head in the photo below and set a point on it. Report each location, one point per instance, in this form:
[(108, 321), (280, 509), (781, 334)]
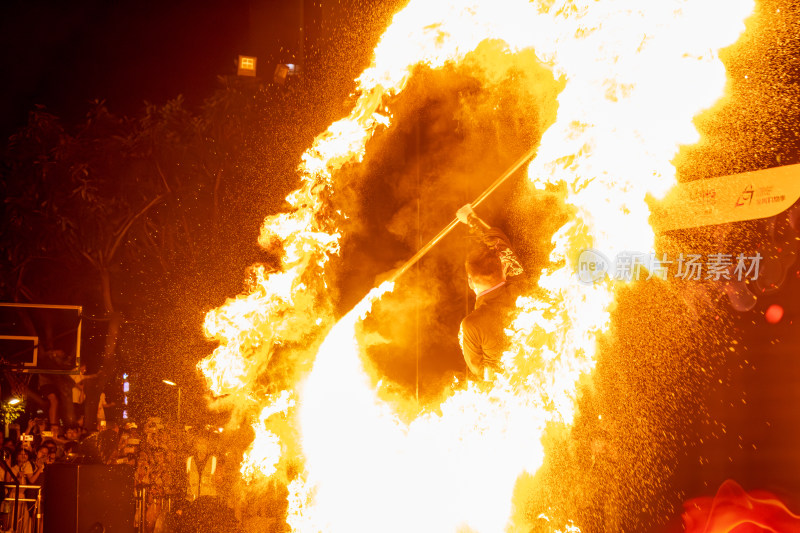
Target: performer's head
[(484, 269)]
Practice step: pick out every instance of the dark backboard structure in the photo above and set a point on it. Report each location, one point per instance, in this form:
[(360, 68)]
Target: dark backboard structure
[(39, 339)]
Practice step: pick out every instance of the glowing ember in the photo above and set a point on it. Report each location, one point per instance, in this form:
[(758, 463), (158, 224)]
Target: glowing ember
[(635, 75), (774, 313)]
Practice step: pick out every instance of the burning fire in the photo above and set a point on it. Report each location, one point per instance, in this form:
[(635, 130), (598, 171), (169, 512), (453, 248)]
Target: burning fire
[(635, 75), (733, 509)]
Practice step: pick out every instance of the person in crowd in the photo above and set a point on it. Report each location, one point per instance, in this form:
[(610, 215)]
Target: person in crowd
[(93, 385), (78, 394), (206, 508), (154, 475), (6, 507), (8, 456), (107, 443), (72, 433), (264, 509), (24, 466), (102, 422), (201, 469), (69, 453), (45, 455), (36, 426), (8, 447), (48, 389), (27, 473), (40, 460), (113, 399), (56, 389), (120, 446), (52, 450)]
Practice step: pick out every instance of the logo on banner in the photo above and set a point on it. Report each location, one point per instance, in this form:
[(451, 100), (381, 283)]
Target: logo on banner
[(746, 198)]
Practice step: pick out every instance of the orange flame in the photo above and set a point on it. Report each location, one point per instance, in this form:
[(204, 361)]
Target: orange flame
[(265, 451), (635, 75), (733, 509)]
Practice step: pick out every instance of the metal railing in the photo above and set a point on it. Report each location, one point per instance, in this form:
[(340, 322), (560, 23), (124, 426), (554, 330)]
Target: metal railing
[(167, 502), (18, 514)]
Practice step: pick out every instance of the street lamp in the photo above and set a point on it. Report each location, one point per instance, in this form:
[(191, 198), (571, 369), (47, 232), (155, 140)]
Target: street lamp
[(173, 384), (10, 411)]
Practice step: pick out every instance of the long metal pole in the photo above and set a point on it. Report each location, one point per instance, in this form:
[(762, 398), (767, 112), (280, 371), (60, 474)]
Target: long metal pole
[(485, 194)]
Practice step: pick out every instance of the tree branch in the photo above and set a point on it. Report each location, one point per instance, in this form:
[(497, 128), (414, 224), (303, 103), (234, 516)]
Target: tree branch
[(163, 177), (128, 225)]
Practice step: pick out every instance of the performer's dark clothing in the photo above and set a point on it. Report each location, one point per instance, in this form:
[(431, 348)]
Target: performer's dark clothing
[(483, 339), (482, 335)]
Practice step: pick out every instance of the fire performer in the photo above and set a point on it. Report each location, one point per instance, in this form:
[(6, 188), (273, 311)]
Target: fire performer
[(492, 269)]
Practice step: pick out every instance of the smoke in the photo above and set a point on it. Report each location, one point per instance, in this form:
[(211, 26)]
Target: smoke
[(455, 129)]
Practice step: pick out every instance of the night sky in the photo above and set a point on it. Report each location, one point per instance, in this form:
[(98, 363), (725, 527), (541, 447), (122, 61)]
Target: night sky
[(65, 54)]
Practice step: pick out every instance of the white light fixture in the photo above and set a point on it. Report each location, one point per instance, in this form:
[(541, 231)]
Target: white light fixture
[(284, 71), (173, 384), (246, 66)]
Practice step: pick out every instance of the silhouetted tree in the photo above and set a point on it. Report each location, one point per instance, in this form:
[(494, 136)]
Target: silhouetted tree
[(153, 217)]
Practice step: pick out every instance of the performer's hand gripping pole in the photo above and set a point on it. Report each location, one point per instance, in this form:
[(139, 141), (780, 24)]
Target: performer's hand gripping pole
[(424, 250)]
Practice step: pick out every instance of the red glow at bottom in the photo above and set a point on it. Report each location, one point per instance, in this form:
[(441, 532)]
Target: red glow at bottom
[(774, 313), (733, 510)]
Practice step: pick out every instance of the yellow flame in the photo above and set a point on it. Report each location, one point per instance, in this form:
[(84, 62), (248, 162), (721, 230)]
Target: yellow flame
[(264, 453), (635, 75)]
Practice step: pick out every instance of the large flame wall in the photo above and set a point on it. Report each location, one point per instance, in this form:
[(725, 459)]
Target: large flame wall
[(634, 76)]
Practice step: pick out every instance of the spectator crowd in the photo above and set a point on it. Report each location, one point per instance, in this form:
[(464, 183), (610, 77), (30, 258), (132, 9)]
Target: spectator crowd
[(183, 479)]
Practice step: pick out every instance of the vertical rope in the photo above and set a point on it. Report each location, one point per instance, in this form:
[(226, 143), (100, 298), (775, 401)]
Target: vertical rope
[(467, 290), (419, 245)]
